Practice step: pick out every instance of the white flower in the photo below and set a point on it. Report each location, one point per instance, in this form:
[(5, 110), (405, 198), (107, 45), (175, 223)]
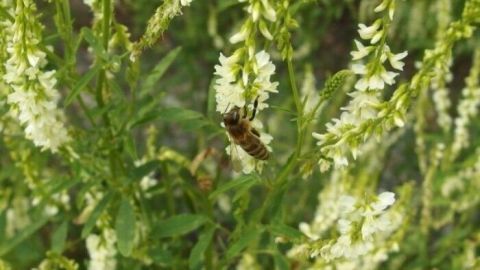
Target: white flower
[(89, 2), (229, 93), (372, 224), (394, 60), (385, 199), (263, 8), (378, 35), (381, 7), (375, 81), (263, 69), (362, 51), (185, 2), (370, 218), (467, 107), (346, 204), (231, 88), (306, 229), (298, 251), (239, 36), (102, 250), (388, 77), (363, 106), (33, 97), (368, 32), (359, 68)]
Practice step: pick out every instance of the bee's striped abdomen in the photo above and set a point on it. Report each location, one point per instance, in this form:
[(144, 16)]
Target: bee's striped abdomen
[(254, 147)]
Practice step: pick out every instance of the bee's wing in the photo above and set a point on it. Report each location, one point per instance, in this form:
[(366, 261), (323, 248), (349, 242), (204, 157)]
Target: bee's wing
[(235, 157)]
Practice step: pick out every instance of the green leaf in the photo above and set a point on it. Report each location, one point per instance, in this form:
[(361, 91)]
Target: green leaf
[(81, 83), (94, 42), (178, 225), (242, 181), (158, 71), (286, 231), (3, 225), (196, 256), (143, 170), (6, 15), (281, 263), (161, 256), (125, 227), (10, 244), (244, 240), (59, 238), (179, 114), (131, 147), (92, 219), (225, 4)]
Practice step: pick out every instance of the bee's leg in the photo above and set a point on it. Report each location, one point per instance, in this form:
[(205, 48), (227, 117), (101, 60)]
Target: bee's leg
[(245, 113), (254, 131), (255, 104)]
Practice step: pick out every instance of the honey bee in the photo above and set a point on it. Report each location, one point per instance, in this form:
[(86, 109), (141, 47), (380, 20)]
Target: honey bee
[(239, 127)]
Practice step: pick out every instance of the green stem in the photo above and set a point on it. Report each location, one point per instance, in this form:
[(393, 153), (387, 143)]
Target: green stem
[(107, 13), (282, 178), (168, 189), (296, 97)]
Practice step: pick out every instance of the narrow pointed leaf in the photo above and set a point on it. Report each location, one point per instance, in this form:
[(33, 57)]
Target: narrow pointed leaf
[(198, 251), (179, 225), (81, 84), (158, 71), (244, 240), (59, 238), (125, 227)]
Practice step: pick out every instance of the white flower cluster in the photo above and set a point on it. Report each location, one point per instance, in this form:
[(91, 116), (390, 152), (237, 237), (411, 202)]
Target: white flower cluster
[(231, 90), (54, 201), (467, 107), (34, 97), (461, 189), (358, 226), (366, 99), (328, 210), (258, 11), (442, 75), (364, 228), (17, 216), (102, 250), (245, 76), (233, 83)]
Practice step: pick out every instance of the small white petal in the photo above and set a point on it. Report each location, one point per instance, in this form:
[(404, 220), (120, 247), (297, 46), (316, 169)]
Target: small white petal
[(367, 32), (359, 69), (362, 84)]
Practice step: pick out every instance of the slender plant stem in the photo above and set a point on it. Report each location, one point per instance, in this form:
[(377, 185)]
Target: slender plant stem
[(282, 177)]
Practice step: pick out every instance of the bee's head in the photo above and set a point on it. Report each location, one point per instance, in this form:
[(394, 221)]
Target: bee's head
[(232, 117)]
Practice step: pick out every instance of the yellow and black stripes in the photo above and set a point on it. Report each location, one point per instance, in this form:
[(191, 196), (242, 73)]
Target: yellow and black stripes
[(254, 147)]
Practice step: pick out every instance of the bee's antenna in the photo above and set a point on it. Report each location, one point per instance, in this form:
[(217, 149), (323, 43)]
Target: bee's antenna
[(255, 104)]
